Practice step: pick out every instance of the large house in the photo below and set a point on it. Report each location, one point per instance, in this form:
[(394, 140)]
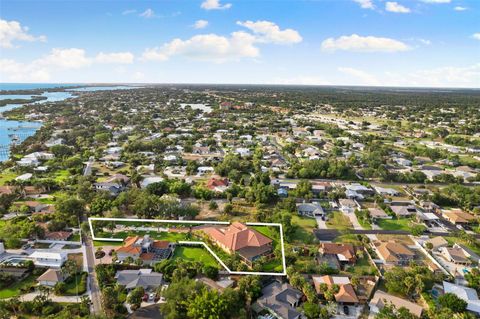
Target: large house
[(280, 300), (381, 299), (145, 248), (145, 278), (310, 209), (248, 243), (346, 293), (458, 216), (404, 210), (456, 255), (394, 253), (337, 255), (467, 294)]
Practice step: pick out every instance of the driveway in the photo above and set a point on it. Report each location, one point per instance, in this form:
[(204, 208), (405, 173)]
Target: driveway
[(320, 223)]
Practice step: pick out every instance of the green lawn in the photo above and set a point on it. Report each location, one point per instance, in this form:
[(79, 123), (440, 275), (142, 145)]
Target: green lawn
[(76, 284), (195, 254), (348, 239), (271, 232), (14, 289), (274, 265), (61, 175), (362, 267), (338, 220), (395, 224), (6, 176), (303, 229)]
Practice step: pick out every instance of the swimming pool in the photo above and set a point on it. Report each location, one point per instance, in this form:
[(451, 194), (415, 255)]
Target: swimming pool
[(14, 261)]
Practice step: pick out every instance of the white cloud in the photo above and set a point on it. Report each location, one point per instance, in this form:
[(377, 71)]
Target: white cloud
[(200, 24), (11, 31), (302, 80), (476, 36), (459, 8), (360, 77), (207, 47), (449, 76), (436, 1), (22, 72), (396, 7), (269, 32), (57, 60), (357, 43), (147, 14), (365, 4), (115, 57), (215, 5), (129, 11), (72, 58)]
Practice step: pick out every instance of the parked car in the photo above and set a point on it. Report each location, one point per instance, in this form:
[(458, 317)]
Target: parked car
[(346, 311)]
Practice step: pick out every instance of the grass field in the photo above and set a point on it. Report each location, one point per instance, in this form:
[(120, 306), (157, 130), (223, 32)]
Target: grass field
[(6, 176), (304, 227), (195, 254), (338, 220), (14, 289), (76, 285), (395, 224)]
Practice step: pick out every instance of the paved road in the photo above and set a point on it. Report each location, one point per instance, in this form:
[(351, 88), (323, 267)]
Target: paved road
[(331, 234), (93, 284)]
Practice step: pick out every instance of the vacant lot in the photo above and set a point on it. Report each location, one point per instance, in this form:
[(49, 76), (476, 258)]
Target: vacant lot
[(338, 220)]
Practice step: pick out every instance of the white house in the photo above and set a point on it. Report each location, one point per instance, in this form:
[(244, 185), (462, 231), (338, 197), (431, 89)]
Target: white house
[(48, 259), (465, 293)]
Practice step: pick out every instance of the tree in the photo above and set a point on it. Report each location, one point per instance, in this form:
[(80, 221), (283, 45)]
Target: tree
[(311, 310), (210, 271), (212, 205), (304, 189), (207, 305), (452, 302), (135, 296), (70, 268), (390, 312)]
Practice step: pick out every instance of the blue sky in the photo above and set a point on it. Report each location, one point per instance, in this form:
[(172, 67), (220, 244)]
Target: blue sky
[(338, 42)]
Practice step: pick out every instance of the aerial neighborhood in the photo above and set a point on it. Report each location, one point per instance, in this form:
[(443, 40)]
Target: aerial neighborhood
[(183, 201)]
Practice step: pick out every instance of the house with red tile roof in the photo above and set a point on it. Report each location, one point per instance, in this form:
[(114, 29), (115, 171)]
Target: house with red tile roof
[(346, 293), (145, 248), (217, 184), (239, 238)]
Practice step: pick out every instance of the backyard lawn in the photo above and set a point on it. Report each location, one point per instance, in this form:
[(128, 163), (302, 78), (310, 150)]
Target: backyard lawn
[(338, 220), (195, 254), (15, 289)]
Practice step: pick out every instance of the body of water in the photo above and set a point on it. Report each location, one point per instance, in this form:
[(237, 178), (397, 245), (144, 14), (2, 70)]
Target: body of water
[(16, 97), (20, 130), (103, 88), (32, 86)]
